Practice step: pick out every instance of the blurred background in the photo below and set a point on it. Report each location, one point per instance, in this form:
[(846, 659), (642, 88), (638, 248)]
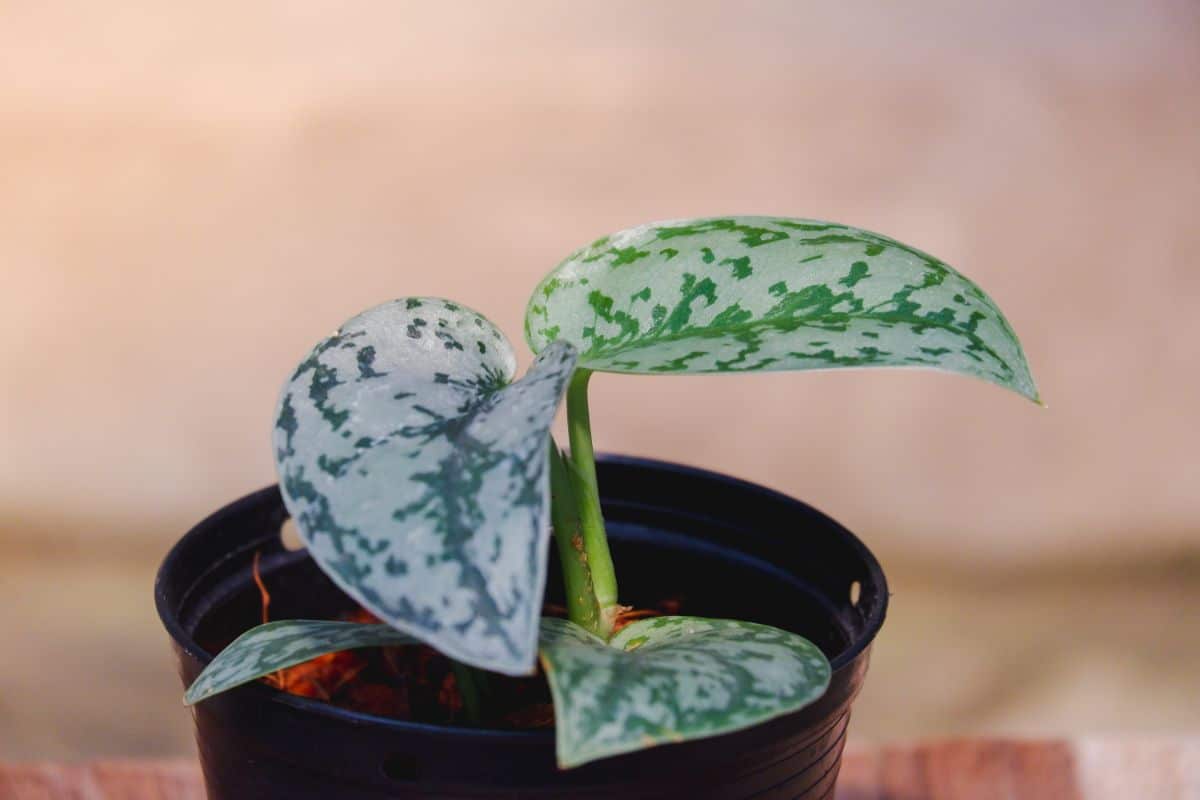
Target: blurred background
[(191, 195)]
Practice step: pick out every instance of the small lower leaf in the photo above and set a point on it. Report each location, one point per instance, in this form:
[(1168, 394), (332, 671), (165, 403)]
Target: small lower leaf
[(671, 679), (286, 643)]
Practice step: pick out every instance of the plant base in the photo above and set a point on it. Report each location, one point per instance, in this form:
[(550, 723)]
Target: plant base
[(726, 547)]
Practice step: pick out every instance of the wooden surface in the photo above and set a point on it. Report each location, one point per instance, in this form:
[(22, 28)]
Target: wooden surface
[(951, 770)]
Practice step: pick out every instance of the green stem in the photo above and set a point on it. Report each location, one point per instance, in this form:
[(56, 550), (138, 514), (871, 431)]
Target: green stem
[(471, 685), (582, 608), (587, 494)]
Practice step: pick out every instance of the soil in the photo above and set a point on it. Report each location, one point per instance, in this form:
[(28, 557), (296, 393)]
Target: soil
[(414, 683), (417, 683)]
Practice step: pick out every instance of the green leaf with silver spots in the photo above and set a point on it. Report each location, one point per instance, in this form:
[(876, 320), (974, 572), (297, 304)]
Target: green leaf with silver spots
[(278, 645), (417, 474), (671, 679), (735, 294)]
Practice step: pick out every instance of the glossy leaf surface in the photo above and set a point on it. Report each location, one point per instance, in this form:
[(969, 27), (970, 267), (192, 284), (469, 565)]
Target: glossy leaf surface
[(278, 645), (670, 679), (765, 293), (417, 474)]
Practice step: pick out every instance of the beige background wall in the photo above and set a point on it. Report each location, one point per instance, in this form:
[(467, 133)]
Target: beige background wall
[(192, 194)]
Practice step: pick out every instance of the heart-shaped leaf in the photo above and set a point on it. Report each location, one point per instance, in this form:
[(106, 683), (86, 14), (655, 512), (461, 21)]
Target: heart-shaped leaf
[(765, 293), (670, 679), (286, 643), (417, 475)]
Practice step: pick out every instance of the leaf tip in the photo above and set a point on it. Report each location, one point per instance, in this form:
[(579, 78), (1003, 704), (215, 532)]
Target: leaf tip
[(1033, 394)]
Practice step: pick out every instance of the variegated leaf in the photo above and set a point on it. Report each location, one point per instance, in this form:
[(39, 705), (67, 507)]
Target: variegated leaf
[(765, 293), (417, 475), (670, 679), (286, 643)]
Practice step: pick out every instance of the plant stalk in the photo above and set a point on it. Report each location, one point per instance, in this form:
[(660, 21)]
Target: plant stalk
[(587, 496), (582, 607), (471, 686)]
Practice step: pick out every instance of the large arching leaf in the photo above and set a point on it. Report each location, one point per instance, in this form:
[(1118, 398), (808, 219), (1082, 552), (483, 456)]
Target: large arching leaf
[(269, 648), (671, 679), (417, 474), (764, 293)]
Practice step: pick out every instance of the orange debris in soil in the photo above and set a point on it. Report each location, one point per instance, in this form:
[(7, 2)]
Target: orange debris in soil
[(628, 615), (322, 677), (262, 588), (416, 682), (449, 696), (535, 715), (413, 682)]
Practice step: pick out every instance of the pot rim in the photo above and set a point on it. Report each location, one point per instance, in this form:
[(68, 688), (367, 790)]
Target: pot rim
[(182, 639)]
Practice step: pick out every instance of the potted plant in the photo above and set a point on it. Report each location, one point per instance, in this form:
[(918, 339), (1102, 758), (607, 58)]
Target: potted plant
[(425, 484)]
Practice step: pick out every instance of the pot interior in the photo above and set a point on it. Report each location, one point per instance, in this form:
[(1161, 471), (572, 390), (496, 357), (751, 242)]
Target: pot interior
[(705, 579)]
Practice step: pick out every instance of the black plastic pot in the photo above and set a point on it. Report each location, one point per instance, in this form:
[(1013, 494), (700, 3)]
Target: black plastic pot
[(729, 548)]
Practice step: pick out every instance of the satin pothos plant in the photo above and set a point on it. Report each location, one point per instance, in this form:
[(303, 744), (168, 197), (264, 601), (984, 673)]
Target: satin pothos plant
[(423, 479)]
